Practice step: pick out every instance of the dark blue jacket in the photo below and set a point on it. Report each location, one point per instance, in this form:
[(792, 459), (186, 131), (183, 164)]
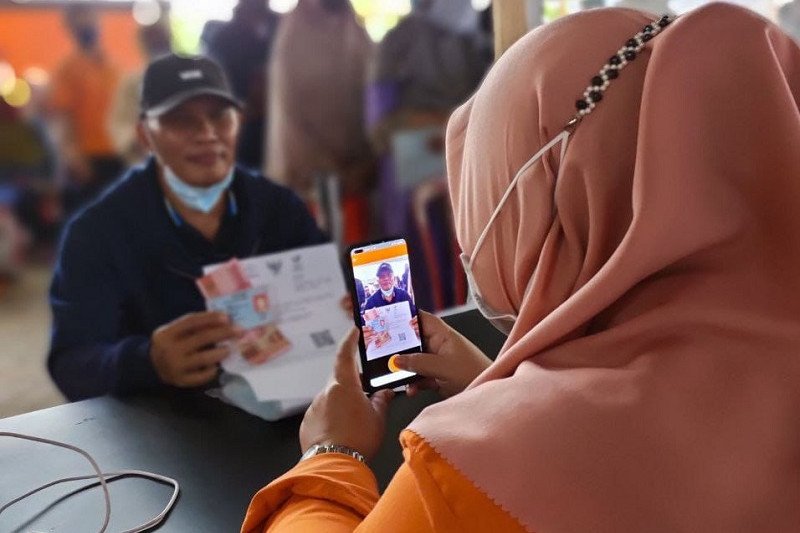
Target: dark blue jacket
[(127, 266)]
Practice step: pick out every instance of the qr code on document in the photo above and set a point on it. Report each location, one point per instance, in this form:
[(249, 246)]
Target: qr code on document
[(322, 338)]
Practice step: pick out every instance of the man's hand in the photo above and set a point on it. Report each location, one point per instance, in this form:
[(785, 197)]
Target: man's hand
[(342, 414), (415, 325), (185, 353), (369, 335), (452, 362)]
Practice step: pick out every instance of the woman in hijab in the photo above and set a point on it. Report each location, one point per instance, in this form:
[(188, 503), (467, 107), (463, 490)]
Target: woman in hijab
[(316, 106), (644, 262)]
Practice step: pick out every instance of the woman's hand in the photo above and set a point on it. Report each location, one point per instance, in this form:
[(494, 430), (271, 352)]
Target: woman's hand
[(342, 414), (451, 363), (347, 305)]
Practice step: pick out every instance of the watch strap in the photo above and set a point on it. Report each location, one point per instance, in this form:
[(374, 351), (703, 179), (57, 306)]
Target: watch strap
[(318, 449)]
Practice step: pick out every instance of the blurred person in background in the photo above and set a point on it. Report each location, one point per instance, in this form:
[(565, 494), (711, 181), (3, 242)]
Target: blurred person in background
[(316, 101), (20, 152), (127, 314), (27, 169), (14, 240), (243, 47), (361, 294), (154, 42), (82, 91), (423, 69), (789, 18)]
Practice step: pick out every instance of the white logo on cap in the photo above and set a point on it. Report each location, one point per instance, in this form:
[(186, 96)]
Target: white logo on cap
[(187, 75)]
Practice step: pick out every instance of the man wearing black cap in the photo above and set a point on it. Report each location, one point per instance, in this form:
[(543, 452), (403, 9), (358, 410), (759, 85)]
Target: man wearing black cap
[(388, 294), (126, 312)]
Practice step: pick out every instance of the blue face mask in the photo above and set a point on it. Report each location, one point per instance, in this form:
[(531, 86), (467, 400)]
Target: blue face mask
[(388, 293), (201, 199)]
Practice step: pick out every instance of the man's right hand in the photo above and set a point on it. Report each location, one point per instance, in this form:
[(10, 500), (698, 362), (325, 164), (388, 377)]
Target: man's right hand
[(185, 353)]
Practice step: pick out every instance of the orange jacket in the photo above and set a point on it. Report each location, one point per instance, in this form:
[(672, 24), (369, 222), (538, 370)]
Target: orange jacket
[(335, 493), (83, 89)]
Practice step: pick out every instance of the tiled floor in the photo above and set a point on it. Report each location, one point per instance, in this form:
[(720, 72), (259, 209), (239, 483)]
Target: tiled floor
[(24, 329)]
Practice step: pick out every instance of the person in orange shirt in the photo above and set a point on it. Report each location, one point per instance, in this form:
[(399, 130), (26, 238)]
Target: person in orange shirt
[(639, 244), (80, 100)]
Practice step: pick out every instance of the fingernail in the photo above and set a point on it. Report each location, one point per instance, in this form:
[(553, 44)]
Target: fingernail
[(401, 362)]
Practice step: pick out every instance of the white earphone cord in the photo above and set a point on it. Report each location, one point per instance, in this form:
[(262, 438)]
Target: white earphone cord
[(102, 479)]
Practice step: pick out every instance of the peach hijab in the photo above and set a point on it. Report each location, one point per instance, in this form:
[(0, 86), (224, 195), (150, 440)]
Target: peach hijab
[(651, 381)]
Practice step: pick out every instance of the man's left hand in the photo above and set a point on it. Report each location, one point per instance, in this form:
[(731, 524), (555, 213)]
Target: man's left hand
[(342, 414)]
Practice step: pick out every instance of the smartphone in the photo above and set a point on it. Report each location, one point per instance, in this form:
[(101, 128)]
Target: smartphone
[(384, 311)]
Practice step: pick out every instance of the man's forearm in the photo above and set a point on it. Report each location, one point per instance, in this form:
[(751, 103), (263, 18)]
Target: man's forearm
[(89, 370)]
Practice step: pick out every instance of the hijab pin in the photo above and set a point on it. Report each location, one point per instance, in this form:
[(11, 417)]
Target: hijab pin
[(610, 71)]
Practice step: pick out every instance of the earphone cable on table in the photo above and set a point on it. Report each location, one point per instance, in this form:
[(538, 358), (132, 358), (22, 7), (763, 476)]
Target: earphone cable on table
[(102, 479)]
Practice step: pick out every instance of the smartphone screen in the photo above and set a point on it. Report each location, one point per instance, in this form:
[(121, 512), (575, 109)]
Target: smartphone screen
[(384, 310)]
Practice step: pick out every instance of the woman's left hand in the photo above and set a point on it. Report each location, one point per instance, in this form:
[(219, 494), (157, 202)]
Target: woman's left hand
[(342, 414), (347, 305)]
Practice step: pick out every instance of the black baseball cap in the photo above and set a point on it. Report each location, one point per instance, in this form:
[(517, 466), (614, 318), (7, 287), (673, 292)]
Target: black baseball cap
[(384, 267), (171, 80)]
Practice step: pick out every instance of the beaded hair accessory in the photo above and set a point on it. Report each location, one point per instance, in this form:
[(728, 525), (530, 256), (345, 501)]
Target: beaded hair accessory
[(610, 71)]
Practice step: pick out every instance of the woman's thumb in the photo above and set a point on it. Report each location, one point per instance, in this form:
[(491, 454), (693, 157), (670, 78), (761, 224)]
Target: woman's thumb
[(425, 364)]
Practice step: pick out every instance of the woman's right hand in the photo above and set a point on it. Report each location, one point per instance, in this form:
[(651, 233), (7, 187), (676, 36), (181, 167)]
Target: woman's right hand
[(451, 363)]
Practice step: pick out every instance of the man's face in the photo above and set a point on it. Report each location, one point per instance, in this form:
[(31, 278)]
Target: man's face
[(197, 139), (386, 280)]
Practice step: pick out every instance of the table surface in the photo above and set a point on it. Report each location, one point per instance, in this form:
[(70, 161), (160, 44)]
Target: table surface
[(220, 455)]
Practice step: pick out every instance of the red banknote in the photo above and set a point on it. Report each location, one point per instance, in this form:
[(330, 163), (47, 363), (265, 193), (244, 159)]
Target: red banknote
[(227, 289), (223, 280), (261, 344)]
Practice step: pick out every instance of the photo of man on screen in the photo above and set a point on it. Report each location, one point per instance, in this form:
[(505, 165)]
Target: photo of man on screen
[(389, 292), (389, 315)]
